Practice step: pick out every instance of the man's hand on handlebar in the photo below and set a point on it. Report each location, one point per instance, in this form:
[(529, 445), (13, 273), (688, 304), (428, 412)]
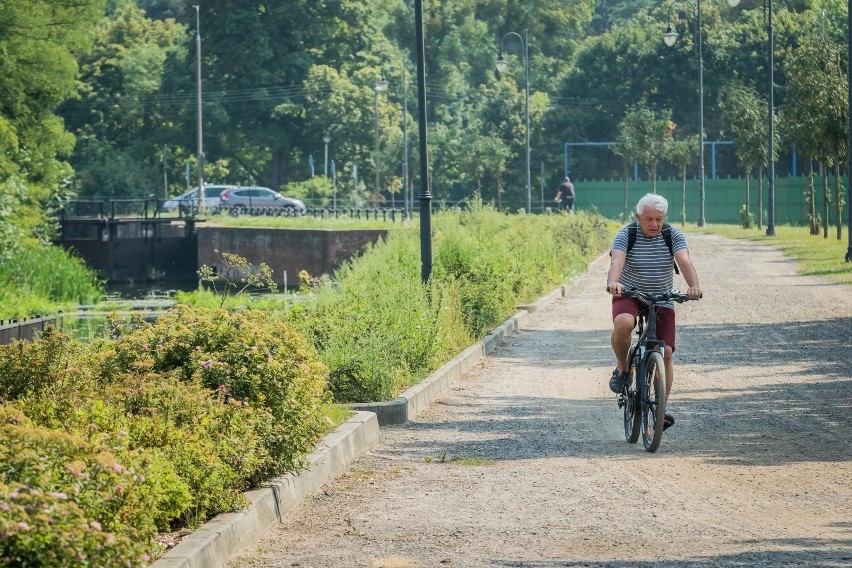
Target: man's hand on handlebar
[(694, 292), (614, 288)]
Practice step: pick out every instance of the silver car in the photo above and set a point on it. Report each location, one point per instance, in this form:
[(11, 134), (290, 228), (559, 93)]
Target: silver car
[(241, 199), (188, 201)]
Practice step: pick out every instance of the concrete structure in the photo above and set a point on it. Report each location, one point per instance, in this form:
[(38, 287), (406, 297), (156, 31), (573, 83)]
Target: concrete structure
[(142, 250), (286, 251)]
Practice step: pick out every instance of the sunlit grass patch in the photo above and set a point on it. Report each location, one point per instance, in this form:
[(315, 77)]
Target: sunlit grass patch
[(815, 255)]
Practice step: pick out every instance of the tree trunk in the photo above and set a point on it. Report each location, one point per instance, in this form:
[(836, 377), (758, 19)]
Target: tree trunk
[(683, 195), (278, 171), (626, 190), (838, 200), (810, 199), (747, 199), (759, 198), (826, 197), (654, 176)]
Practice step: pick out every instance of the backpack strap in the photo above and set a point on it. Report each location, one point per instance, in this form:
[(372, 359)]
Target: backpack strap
[(667, 236), (631, 236)]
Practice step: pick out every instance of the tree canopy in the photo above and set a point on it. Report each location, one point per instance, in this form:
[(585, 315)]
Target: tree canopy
[(99, 96)]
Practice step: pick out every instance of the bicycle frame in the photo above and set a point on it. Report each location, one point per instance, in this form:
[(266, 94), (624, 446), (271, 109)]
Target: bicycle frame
[(646, 365), (646, 339)]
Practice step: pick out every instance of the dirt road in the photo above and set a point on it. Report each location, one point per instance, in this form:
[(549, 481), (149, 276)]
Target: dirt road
[(523, 461)]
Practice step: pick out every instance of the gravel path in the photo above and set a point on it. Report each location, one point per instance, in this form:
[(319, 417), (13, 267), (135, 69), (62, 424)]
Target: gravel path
[(523, 461)]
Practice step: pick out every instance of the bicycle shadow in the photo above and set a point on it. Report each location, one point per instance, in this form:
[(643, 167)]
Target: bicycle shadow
[(810, 553)]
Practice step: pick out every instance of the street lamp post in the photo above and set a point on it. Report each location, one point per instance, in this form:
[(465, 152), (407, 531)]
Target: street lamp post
[(198, 106), (380, 87), (501, 67), (405, 141), (670, 37), (770, 169), (425, 196), (849, 134), (325, 140)]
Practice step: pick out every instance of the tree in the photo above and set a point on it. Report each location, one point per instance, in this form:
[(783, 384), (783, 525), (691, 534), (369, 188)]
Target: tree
[(118, 118), (816, 113), (38, 43), (744, 115), (681, 153), (646, 133)]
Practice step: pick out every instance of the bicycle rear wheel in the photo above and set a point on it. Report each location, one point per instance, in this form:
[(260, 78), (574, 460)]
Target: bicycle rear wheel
[(653, 402), (632, 404)]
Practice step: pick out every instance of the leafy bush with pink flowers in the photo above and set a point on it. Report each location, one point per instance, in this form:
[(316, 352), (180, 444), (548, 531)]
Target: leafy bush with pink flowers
[(159, 427)]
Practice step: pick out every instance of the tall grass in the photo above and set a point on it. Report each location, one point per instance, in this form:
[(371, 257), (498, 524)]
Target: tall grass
[(380, 329), (37, 279)]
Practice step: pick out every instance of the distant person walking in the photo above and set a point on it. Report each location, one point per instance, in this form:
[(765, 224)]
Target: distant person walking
[(565, 195)]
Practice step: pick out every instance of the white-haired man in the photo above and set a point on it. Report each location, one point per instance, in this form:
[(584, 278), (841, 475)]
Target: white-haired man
[(647, 265)]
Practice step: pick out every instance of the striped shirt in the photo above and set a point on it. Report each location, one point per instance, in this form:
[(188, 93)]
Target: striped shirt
[(649, 267)]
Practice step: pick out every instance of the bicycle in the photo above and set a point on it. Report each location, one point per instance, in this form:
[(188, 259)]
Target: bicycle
[(643, 399)]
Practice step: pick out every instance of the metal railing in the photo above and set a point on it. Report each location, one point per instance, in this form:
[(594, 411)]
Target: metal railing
[(25, 329), (112, 209)]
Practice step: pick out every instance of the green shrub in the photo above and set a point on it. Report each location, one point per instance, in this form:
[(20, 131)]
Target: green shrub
[(746, 218), (47, 529), (99, 491), (201, 405), (379, 328), (251, 359)]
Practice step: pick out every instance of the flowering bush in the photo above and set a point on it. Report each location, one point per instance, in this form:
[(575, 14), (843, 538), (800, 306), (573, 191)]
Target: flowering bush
[(158, 427), (48, 529), (67, 505), (258, 367)]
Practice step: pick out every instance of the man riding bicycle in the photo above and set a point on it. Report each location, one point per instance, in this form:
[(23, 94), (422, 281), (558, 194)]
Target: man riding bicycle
[(644, 254)]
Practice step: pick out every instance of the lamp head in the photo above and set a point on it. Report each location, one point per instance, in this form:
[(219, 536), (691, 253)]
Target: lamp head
[(670, 37), (382, 84), (326, 139), (501, 63), (733, 3)]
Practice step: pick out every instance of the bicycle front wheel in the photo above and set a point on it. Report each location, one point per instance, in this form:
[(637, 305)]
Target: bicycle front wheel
[(632, 404), (653, 401)]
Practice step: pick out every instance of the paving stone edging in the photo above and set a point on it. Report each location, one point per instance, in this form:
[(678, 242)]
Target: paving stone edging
[(215, 542)]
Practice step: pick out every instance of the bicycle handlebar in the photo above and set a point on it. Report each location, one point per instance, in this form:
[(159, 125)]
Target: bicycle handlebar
[(652, 299)]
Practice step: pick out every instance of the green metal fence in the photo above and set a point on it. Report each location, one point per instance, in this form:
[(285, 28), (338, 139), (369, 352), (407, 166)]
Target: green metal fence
[(723, 201)]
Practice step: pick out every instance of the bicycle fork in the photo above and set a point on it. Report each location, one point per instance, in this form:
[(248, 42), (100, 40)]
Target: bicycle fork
[(633, 362)]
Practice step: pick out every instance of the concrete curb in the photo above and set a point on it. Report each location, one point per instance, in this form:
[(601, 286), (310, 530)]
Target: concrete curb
[(215, 542), (419, 396)]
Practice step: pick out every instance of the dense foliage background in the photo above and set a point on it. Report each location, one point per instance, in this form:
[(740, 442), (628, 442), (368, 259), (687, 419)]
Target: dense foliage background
[(99, 97)]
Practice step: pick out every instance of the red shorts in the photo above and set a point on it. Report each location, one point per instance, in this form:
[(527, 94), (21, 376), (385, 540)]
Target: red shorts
[(665, 317)]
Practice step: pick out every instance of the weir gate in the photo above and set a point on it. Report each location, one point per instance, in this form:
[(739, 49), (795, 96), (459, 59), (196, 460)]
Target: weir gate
[(132, 240)]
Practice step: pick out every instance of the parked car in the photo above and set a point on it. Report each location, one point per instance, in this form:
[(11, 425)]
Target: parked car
[(240, 199), (188, 201)]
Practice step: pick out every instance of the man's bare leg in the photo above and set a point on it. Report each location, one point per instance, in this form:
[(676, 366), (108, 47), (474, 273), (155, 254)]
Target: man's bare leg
[(622, 328)]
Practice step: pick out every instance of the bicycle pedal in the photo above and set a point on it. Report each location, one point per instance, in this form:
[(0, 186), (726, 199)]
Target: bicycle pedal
[(620, 401)]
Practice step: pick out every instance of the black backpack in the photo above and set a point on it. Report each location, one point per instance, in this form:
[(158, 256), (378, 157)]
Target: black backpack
[(667, 236)]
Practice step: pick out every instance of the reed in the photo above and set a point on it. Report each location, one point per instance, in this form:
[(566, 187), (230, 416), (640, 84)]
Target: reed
[(38, 279)]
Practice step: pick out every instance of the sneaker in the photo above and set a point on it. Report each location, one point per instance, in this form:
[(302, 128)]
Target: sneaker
[(668, 421), (618, 380)]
